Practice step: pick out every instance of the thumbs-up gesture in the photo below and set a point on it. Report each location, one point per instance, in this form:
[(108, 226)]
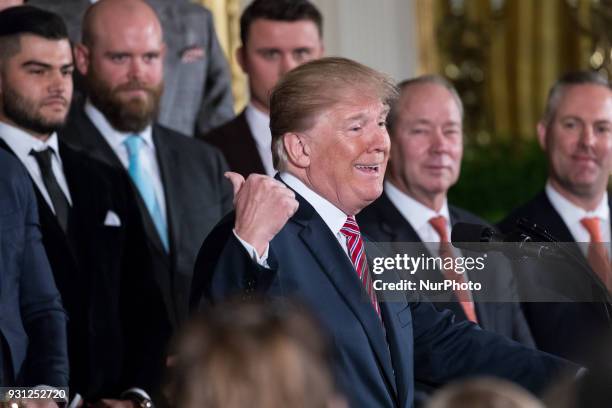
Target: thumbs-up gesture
[(263, 206)]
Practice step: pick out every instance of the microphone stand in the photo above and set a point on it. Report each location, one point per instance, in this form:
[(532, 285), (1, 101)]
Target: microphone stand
[(529, 231)]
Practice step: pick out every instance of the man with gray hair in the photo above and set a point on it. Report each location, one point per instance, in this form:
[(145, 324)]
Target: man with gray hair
[(296, 236), (426, 130), (576, 136)]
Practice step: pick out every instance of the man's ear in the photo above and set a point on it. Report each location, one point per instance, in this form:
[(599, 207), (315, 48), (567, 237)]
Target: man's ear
[(298, 151), (541, 128), (81, 58), (241, 59)]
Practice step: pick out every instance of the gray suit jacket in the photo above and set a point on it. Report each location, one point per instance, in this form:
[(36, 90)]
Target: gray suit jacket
[(197, 93)]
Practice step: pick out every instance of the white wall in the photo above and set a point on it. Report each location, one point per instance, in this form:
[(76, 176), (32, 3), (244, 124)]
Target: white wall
[(378, 33)]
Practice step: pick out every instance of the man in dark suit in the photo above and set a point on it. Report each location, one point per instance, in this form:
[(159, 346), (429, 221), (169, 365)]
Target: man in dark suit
[(296, 236), (197, 83), (178, 181), (33, 324), (91, 228), (276, 37), (576, 135), (425, 127)]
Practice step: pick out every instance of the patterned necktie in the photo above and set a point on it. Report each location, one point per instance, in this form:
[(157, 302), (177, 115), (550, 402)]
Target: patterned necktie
[(143, 182), (464, 296), (597, 254), (356, 250), (58, 198)]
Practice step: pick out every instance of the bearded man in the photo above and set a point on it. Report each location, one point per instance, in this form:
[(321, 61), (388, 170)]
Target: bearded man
[(179, 180)]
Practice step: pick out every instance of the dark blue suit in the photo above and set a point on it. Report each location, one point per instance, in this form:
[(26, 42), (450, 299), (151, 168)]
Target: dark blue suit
[(572, 326), (375, 367), (32, 320)]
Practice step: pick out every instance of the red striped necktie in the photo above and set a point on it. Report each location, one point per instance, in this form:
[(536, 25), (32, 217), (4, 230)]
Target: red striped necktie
[(356, 250)]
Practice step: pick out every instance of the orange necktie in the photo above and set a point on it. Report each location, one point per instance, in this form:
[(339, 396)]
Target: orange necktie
[(464, 296), (597, 254)]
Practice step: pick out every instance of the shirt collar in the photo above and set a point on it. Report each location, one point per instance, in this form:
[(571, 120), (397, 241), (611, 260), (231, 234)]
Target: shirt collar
[(417, 214), (570, 212), (114, 137), (333, 217), (21, 142), (259, 122)]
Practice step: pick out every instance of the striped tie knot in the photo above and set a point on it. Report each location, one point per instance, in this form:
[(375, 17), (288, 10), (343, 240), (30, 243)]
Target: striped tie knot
[(350, 230)]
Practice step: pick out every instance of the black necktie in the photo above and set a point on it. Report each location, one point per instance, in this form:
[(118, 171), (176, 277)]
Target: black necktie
[(58, 199)]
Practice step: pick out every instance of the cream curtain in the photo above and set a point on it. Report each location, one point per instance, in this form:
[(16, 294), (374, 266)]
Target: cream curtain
[(522, 47), (226, 14)]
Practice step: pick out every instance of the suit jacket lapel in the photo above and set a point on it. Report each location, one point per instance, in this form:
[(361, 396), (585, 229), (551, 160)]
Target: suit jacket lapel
[(393, 223), (49, 223), (167, 158), (90, 139), (325, 248), (550, 219), (481, 314), (248, 149)]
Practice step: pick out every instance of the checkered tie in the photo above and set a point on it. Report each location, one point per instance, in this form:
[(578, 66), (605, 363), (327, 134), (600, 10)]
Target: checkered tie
[(464, 296), (356, 250)]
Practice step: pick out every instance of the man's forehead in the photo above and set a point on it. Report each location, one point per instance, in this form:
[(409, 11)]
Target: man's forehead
[(348, 109), (31, 45), (283, 32), (428, 100), (145, 38), (585, 100)]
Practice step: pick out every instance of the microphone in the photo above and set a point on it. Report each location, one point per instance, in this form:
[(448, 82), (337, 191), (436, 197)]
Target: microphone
[(516, 245)]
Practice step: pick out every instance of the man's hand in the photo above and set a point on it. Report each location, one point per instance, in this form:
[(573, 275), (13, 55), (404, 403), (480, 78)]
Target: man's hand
[(263, 206), (113, 403)]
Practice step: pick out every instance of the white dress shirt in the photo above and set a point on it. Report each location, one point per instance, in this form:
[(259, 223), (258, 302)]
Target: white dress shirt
[(333, 217), (417, 214), (259, 123), (571, 214), (148, 158), (21, 143)]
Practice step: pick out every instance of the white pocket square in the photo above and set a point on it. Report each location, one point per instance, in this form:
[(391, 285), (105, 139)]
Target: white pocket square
[(112, 219)]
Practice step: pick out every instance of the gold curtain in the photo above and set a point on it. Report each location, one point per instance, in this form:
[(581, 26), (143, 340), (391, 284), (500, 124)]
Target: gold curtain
[(226, 14), (505, 54)]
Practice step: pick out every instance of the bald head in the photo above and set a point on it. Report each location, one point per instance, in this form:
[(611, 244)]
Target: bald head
[(121, 15), (121, 59), (4, 4)]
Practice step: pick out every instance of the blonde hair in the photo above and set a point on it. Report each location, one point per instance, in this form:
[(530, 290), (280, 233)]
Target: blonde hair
[(311, 88), (483, 393), (257, 354)]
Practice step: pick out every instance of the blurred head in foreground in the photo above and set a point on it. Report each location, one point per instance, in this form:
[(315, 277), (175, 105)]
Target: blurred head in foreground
[(255, 354), (483, 393)]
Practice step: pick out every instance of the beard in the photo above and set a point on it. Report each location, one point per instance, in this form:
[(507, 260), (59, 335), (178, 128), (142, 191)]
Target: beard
[(25, 113), (132, 115)]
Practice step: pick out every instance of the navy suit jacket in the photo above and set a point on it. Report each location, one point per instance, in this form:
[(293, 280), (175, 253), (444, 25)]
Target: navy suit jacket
[(117, 331), (32, 322), (382, 222), (569, 329), (375, 367)]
